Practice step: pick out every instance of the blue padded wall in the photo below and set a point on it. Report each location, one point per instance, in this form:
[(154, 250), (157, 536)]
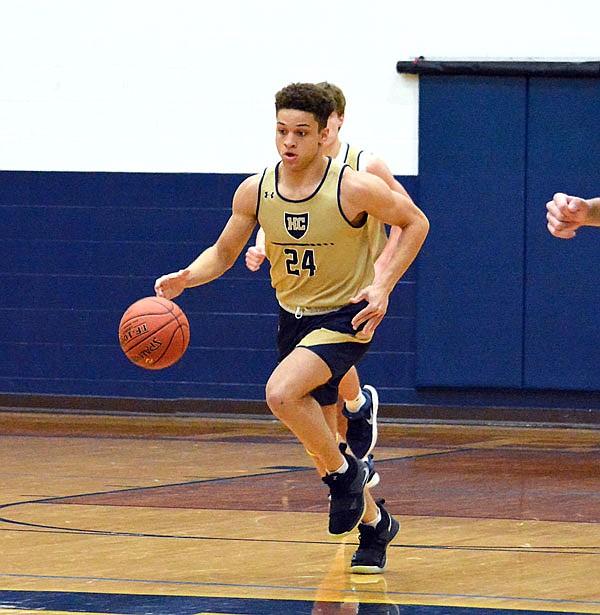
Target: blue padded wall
[(80, 247), (471, 169), (501, 303), (562, 316)]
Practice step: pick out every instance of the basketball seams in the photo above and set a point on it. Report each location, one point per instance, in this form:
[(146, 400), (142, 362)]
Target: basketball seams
[(168, 309), (156, 363)]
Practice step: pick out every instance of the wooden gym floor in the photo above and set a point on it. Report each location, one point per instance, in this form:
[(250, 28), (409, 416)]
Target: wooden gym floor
[(174, 515)]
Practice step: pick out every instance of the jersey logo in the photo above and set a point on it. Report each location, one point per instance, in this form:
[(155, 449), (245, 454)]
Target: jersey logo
[(296, 224)]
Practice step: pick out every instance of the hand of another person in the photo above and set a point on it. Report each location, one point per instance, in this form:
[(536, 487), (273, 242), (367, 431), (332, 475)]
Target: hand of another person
[(255, 257), (565, 214)]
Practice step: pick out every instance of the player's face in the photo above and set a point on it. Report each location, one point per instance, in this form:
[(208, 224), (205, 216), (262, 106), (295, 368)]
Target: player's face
[(334, 123), (298, 137)]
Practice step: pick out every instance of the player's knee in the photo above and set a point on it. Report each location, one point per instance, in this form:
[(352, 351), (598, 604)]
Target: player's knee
[(278, 399), (273, 397)]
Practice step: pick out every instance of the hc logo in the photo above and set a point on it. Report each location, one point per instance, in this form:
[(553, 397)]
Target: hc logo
[(296, 224)]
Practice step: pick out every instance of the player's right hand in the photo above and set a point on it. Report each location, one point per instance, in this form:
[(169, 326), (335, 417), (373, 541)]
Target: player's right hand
[(255, 257), (565, 214), (171, 285)]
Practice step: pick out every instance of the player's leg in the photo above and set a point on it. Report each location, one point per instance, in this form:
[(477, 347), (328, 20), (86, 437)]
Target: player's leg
[(335, 420), (331, 417), (350, 385), (377, 528), (360, 409), (289, 398), (349, 389)]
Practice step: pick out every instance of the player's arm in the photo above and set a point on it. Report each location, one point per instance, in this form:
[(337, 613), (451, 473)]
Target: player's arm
[(218, 258), (593, 217), (363, 192), (378, 167)]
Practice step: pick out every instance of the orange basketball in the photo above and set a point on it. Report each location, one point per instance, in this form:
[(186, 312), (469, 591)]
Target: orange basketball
[(154, 333)]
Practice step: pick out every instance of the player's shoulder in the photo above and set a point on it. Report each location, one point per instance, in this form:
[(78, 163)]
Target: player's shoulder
[(247, 192), (252, 182), (359, 183), (359, 175), (376, 165)]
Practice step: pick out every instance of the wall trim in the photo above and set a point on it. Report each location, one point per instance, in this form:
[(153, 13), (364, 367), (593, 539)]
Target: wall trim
[(427, 413), (499, 68)]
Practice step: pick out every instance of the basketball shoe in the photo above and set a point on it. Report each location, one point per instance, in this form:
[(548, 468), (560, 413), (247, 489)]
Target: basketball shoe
[(361, 434), (373, 474), (370, 557), (347, 495)]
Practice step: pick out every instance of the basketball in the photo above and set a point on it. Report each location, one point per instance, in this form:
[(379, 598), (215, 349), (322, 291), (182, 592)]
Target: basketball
[(154, 333)]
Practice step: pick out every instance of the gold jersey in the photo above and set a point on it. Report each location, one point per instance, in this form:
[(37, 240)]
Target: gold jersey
[(352, 156), (358, 160), (318, 259)]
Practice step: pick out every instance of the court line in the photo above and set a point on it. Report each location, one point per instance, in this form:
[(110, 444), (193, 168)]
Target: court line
[(49, 529), (281, 470), (349, 592)]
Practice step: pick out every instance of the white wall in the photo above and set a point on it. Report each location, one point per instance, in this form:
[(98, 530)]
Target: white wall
[(188, 85)]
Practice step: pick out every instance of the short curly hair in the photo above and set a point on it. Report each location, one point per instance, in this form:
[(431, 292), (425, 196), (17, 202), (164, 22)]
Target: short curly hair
[(307, 97), (336, 93)]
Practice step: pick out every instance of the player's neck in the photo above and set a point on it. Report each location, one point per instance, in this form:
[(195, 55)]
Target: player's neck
[(298, 184), (333, 149)]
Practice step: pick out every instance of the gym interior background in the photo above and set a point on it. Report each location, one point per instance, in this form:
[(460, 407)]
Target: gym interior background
[(123, 147)]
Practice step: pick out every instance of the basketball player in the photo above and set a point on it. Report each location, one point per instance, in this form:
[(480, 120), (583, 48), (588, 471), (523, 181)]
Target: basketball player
[(314, 211), (360, 403), (568, 213)]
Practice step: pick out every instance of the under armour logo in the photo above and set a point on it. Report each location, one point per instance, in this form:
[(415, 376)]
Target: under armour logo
[(269, 195)]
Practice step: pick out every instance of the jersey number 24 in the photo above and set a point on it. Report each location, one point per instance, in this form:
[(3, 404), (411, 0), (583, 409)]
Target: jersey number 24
[(298, 261)]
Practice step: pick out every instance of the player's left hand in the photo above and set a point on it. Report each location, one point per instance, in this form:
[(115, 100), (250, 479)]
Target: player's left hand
[(373, 313)]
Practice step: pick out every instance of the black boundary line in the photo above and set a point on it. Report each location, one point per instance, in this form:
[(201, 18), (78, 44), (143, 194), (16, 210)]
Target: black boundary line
[(81, 531)]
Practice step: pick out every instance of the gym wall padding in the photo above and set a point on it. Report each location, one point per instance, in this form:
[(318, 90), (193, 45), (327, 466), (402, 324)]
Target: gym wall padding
[(80, 247), (470, 291), (562, 283), (500, 302)]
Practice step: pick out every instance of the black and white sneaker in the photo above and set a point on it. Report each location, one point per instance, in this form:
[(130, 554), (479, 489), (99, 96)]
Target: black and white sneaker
[(347, 495), (361, 434), (373, 474), (370, 557)]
